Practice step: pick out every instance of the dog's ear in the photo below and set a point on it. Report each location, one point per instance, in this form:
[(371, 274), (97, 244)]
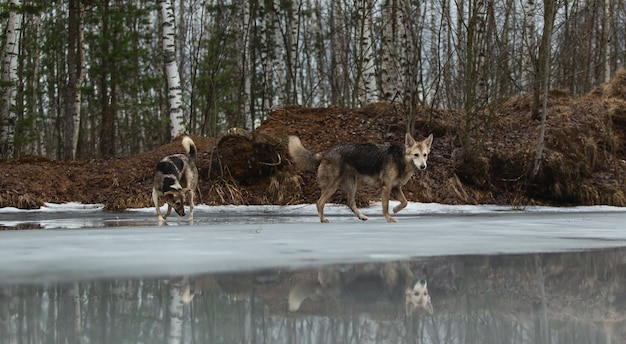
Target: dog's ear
[(429, 140), (409, 140), (169, 195)]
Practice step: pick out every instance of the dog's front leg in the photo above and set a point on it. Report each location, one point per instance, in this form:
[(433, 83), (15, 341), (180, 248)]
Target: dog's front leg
[(155, 200), (168, 212), (191, 205), (399, 195), (385, 192)]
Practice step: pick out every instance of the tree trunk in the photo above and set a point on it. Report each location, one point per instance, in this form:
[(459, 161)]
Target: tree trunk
[(107, 127), (75, 75), (246, 63), (549, 15), (388, 78), (606, 40), (529, 59), (171, 70), (8, 115), (82, 71), (366, 75)]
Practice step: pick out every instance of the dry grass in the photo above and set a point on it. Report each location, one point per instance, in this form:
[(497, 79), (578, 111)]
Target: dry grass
[(284, 188), (20, 200), (227, 191)]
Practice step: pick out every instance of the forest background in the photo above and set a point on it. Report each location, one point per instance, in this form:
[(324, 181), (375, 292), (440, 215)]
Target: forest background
[(526, 98), (237, 60)]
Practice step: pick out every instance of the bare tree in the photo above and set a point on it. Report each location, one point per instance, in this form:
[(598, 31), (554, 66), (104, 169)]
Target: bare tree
[(544, 72), (75, 74), (9, 77), (246, 64), (606, 40)]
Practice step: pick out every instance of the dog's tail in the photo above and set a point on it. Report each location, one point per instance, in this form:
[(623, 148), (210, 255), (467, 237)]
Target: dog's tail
[(304, 158), (190, 148)]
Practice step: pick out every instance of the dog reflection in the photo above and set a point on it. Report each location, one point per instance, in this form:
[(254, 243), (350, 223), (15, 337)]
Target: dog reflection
[(373, 284), (302, 291), (418, 298)]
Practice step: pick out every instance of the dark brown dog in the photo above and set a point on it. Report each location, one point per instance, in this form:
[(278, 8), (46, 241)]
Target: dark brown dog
[(386, 167)]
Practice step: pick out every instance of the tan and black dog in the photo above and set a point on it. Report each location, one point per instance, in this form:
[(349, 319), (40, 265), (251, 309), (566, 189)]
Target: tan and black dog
[(388, 167), (175, 179)]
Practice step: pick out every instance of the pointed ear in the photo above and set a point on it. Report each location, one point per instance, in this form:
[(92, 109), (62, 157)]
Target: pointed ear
[(429, 140), (409, 140)]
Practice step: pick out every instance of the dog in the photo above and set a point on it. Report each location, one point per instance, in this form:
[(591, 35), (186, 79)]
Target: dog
[(175, 179), (388, 167), (418, 298)]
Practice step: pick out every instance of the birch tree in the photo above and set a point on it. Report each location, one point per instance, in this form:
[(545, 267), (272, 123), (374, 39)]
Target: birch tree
[(8, 115), (76, 73), (246, 64), (365, 50), (175, 96)]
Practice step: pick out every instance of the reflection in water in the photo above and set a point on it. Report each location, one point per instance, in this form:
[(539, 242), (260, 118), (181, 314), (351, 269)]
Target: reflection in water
[(548, 298)]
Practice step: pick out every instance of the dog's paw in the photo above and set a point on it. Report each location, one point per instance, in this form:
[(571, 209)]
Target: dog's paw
[(363, 218), (391, 219), (324, 220)]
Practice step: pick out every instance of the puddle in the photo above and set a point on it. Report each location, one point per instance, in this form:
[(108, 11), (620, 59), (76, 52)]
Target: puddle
[(573, 297)]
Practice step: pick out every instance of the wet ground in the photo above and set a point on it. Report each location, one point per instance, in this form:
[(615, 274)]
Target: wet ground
[(265, 277)]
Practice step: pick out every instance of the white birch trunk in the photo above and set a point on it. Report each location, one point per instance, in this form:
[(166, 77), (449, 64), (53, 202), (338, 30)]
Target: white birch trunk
[(82, 70), (368, 80), (321, 59), (9, 77), (390, 63), (406, 51), (176, 309), (279, 80), (293, 60), (267, 21), (246, 64), (171, 69)]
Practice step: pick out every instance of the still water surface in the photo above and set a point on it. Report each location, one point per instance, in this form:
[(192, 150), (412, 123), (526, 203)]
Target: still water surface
[(572, 297)]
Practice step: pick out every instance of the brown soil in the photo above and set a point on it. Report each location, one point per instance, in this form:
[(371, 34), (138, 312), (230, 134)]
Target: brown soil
[(490, 161)]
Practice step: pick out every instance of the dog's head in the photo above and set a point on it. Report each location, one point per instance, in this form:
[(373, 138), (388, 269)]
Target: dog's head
[(418, 298), (418, 151), (176, 198)]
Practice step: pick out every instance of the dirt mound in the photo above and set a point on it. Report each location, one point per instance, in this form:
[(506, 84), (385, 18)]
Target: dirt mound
[(482, 157)]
